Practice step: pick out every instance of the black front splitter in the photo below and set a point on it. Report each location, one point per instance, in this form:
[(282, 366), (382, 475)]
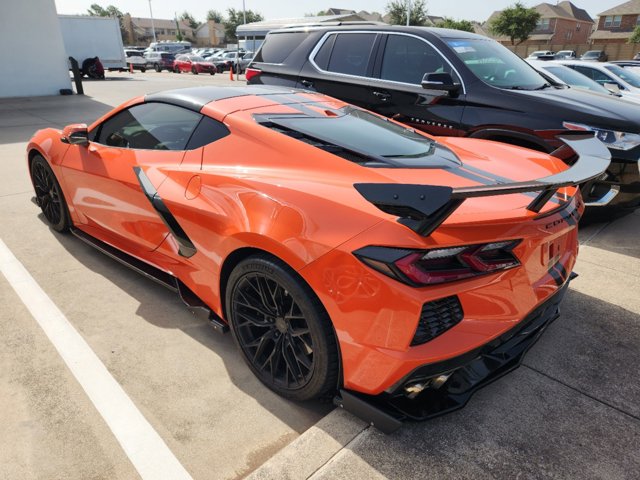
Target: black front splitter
[(468, 373)]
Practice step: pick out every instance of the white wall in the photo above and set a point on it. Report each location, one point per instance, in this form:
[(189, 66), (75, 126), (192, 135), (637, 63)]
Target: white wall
[(32, 54)]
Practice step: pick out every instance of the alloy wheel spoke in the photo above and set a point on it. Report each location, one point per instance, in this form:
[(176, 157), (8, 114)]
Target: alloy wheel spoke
[(272, 330)]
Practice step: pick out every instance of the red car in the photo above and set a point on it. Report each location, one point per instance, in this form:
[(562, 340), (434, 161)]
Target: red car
[(194, 64), (351, 256)]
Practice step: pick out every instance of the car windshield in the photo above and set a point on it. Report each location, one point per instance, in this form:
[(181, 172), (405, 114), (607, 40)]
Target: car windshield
[(591, 54), (365, 133), (575, 79), (196, 58), (628, 76), (496, 65)]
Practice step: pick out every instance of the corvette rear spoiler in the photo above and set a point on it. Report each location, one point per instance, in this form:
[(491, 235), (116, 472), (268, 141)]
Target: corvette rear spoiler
[(423, 208)]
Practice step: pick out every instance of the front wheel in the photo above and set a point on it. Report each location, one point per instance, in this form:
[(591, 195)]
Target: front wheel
[(282, 329), (49, 195), (157, 68), (143, 69), (194, 70)]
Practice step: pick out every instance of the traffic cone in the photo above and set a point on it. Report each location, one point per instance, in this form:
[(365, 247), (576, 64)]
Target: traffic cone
[(231, 74)]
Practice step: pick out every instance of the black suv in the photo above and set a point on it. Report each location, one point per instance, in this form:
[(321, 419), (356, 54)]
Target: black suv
[(448, 82)]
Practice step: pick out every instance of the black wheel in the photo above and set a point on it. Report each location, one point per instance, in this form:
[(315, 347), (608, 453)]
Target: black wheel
[(143, 69), (156, 67), (176, 70), (194, 70), (49, 195), (282, 329)]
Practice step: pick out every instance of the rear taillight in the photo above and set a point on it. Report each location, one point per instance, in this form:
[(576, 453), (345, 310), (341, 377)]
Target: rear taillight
[(442, 265), (250, 73)]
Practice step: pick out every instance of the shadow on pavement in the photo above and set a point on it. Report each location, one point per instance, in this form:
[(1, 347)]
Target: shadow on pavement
[(164, 309)]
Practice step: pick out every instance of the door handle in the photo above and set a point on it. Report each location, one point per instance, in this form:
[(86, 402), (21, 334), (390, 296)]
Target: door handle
[(307, 83), (382, 96)]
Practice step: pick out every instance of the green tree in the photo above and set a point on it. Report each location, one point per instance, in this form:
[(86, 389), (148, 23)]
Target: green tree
[(397, 10), (635, 36), (516, 22), (96, 10), (235, 18), (464, 25), (215, 15), (188, 18)]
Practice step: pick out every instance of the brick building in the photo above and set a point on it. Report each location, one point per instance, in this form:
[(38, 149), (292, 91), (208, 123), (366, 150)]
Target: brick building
[(563, 23), (617, 24)]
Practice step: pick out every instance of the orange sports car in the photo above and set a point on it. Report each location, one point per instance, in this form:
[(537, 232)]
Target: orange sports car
[(352, 257)]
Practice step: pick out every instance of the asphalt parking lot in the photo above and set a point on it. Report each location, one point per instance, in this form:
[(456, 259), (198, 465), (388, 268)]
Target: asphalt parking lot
[(571, 411)]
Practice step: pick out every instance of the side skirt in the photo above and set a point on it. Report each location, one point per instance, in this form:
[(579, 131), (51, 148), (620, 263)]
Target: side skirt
[(190, 299)]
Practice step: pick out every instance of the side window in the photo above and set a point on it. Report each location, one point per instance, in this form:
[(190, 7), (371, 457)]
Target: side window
[(406, 59), (149, 126), (323, 55), (596, 75), (278, 46), (207, 131), (351, 53)]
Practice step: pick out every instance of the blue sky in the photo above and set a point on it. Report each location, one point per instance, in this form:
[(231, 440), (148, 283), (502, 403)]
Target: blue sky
[(459, 9)]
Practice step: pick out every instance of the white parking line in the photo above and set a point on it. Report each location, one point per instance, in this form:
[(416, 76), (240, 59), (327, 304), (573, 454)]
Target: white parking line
[(147, 451)]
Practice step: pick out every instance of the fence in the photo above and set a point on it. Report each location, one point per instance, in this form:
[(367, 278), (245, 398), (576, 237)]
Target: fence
[(616, 51)]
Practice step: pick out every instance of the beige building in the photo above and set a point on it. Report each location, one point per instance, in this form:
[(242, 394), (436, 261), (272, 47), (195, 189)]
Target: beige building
[(139, 31), (209, 34)]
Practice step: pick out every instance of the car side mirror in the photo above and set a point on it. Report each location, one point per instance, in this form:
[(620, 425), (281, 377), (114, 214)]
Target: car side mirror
[(613, 88), (440, 81), (75, 134)]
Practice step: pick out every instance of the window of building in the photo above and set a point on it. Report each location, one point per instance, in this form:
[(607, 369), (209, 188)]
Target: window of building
[(638, 20), (612, 21), (578, 26), (543, 24)]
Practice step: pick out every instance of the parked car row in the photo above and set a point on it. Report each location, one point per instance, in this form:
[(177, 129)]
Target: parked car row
[(208, 62), (589, 56)]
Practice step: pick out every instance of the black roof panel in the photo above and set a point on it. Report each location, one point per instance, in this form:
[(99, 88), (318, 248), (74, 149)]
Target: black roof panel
[(194, 98)]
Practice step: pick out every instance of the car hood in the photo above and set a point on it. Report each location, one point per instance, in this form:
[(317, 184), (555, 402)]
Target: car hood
[(587, 107)]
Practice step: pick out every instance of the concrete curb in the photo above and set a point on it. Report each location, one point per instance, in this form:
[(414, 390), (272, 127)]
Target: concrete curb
[(313, 449)]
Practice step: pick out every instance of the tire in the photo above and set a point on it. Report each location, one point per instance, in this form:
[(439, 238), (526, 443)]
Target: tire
[(282, 329), (212, 73), (194, 70), (176, 70), (49, 195), (143, 69), (157, 68)]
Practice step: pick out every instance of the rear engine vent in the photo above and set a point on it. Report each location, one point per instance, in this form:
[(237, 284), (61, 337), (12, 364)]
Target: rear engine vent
[(437, 317), (332, 148)]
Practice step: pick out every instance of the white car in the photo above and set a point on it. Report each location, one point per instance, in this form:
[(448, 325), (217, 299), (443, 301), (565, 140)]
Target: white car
[(135, 58), (608, 73), (563, 74), (540, 53)]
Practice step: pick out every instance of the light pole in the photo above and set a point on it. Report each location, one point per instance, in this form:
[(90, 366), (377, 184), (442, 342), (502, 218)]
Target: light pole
[(408, 11), (153, 28)]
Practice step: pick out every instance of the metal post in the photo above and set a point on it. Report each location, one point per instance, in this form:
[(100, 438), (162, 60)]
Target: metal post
[(244, 14), (153, 28), (408, 11)]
